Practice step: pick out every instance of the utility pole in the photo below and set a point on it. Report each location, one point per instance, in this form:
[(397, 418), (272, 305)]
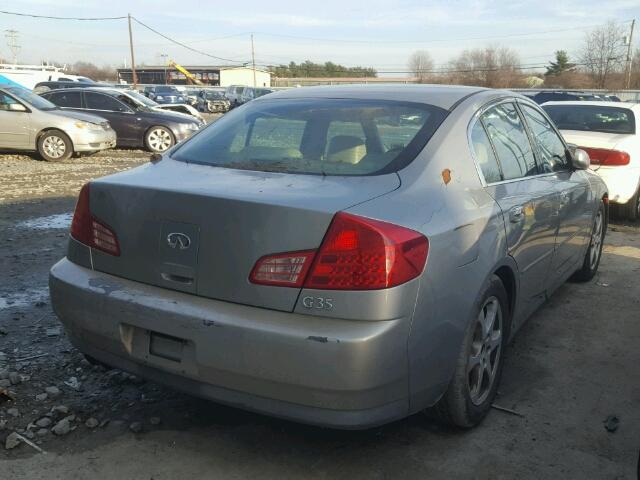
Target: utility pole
[(12, 43), (629, 52), (253, 62), (133, 61)]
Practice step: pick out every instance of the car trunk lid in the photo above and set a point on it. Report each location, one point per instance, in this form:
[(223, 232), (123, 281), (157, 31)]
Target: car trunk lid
[(609, 141), (201, 229)]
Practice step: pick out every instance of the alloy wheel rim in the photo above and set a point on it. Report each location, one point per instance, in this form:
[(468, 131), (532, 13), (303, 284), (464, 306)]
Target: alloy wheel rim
[(596, 241), (159, 140), (484, 354), (54, 146)]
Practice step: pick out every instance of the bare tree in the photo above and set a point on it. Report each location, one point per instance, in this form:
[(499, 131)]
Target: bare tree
[(496, 67), (603, 53), (88, 69), (635, 70), (421, 65)]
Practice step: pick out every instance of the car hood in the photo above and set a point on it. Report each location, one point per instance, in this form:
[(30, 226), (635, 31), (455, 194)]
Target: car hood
[(168, 116), (86, 117)]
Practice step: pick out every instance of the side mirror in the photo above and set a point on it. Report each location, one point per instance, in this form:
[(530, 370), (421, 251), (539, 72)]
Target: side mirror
[(17, 107), (580, 159)]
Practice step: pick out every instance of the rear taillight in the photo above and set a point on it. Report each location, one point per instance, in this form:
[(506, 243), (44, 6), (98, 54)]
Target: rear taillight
[(607, 157), (357, 253), (89, 230), (363, 254)]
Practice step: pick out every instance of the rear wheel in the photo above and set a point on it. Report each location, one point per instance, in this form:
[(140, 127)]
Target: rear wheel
[(594, 252), (475, 382), (159, 139), (55, 146)]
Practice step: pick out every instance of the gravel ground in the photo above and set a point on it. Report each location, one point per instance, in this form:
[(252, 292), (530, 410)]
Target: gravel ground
[(572, 366)]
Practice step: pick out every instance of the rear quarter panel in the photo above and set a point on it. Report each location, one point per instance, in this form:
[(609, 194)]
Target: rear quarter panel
[(442, 197)]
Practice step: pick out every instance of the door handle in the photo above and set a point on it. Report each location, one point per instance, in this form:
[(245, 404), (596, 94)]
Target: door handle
[(516, 214)]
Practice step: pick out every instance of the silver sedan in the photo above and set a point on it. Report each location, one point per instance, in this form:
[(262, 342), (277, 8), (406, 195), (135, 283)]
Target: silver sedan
[(337, 256), (29, 122)]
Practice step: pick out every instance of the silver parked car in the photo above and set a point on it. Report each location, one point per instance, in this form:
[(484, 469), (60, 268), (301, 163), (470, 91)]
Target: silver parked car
[(340, 256), (29, 122)]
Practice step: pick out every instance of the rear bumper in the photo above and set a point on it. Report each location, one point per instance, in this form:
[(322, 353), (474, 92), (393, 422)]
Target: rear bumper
[(622, 182), (336, 373)]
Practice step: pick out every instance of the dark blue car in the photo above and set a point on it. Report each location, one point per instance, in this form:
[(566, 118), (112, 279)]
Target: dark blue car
[(165, 94)]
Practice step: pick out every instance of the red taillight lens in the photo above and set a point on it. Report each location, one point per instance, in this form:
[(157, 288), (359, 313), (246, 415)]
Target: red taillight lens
[(363, 254), (89, 230), (607, 157), (283, 269)]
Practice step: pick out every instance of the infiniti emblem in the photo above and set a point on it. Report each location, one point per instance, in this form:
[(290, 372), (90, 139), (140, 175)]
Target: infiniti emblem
[(178, 240)]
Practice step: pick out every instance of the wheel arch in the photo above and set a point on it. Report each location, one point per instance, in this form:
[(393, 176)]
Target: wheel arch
[(48, 129), (156, 125), (507, 271)]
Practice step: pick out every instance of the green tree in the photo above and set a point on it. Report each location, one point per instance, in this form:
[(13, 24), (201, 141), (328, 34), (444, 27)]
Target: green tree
[(561, 64), (327, 69)]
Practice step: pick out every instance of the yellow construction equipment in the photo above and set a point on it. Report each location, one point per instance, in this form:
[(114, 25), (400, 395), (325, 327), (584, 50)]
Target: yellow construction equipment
[(190, 76)]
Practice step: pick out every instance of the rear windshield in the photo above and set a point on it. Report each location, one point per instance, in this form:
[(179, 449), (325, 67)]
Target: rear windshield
[(166, 89), (316, 136), (590, 118)]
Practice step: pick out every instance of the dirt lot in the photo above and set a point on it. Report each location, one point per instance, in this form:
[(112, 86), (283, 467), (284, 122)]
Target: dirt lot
[(575, 363)]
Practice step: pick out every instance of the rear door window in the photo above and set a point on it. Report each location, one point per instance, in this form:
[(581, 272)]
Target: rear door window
[(553, 154), (484, 154), (67, 99), (99, 101), (509, 138)]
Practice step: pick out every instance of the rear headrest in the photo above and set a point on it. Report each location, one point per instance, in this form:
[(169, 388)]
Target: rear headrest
[(346, 149)]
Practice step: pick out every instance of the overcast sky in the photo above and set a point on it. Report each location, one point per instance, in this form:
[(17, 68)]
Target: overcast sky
[(374, 33)]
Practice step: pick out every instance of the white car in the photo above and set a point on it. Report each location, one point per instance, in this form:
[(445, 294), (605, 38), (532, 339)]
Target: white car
[(608, 132)]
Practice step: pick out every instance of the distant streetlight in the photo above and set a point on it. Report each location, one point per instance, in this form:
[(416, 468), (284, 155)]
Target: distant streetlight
[(164, 57)]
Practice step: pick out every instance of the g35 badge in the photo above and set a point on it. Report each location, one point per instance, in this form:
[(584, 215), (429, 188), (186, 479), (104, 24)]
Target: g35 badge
[(318, 303)]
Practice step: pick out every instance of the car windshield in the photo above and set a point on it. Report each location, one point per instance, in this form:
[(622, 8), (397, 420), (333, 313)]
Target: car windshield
[(167, 89), (146, 101), (214, 95), (259, 92), (31, 98), (591, 118), (316, 136)]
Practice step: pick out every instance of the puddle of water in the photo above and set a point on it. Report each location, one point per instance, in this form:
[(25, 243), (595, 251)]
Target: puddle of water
[(58, 221), (23, 299)]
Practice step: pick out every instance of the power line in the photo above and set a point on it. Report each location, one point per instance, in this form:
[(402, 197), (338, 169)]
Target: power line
[(82, 19), (439, 40), (184, 45)]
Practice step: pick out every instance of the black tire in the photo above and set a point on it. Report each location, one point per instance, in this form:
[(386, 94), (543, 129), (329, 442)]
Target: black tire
[(631, 209), (590, 263), (459, 406), (54, 146), (159, 139)]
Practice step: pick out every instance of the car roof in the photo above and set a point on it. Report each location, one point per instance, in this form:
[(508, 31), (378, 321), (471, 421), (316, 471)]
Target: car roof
[(633, 106), (443, 96), (88, 89)]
